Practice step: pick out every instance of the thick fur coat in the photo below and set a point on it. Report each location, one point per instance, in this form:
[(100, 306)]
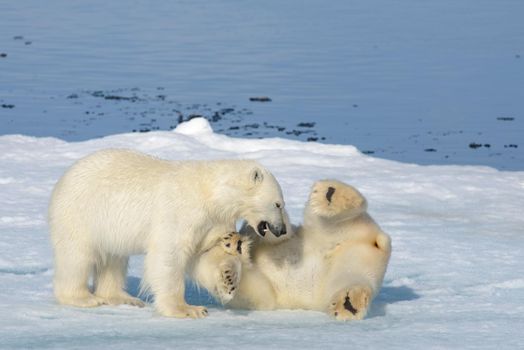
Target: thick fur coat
[(335, 262), (116, 203)]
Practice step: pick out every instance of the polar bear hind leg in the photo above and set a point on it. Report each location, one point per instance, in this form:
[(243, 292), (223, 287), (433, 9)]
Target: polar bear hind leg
[(351, 303), (110, 278), (73, 267)]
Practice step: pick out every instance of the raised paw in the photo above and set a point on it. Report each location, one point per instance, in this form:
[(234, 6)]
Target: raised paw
[(229, 280), (235, 244), (330, 198), (351, 304)]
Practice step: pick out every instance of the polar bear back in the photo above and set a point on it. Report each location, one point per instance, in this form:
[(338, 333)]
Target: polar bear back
[(110, 198), (102, 196)]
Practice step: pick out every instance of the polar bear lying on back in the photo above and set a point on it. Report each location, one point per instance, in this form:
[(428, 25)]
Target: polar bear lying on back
[(334, 263), (116, 203)]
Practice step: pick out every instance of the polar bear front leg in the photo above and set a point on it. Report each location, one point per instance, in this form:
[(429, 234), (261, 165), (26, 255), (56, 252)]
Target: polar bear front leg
[(164, 271), (236, 250), (219, 269)]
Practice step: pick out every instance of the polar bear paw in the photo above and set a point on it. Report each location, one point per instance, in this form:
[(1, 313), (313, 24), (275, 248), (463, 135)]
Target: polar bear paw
[(184, 311), (235, 244), (331, 198), (351, 303), (237, 249), (229, 281), (84, 301), (121, 299)]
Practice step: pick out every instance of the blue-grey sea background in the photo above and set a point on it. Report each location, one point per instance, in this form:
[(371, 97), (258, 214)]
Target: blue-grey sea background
[(437, 82)]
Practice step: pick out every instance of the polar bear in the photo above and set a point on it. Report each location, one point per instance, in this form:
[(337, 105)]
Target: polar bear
[(335, 262), (116, 203)]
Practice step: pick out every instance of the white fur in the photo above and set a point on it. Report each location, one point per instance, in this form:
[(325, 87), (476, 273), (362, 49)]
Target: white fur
[(116, 203), (338, 253)]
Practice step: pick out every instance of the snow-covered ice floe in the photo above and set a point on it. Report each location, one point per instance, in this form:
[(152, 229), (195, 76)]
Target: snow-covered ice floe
[(455, 279)]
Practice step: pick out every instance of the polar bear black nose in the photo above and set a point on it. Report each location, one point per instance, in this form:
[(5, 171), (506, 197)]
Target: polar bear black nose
[(279, 232)]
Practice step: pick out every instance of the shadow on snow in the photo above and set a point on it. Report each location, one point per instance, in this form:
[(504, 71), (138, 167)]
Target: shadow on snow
[(199, 296)]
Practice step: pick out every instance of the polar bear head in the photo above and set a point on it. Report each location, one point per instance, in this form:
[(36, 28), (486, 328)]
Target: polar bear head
[(263, 205)]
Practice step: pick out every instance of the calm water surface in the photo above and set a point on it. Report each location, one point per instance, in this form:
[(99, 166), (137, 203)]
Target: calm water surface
[(431, 83)]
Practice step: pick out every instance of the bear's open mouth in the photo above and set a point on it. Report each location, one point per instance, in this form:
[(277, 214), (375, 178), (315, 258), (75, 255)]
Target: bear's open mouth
[(263, 228)]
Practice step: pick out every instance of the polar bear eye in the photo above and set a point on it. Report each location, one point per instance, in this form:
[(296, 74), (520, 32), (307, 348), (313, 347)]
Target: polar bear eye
[(278, 205)]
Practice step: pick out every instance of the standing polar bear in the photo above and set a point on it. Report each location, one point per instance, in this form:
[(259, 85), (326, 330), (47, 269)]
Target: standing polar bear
[(335, 262), (116, 203)]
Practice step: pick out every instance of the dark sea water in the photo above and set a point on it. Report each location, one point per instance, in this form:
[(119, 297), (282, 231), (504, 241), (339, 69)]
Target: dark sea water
[(429, 83)]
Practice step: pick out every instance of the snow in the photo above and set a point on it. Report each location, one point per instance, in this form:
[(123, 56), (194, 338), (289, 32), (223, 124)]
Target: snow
[(454, 280)]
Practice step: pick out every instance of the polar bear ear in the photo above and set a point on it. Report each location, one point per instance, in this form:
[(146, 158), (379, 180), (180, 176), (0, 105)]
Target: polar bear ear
[(256, 176)]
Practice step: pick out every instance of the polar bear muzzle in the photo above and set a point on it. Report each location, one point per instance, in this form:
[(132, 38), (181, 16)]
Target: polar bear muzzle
[(263, 227)]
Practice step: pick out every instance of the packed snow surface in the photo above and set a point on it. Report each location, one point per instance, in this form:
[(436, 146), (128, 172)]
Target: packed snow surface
[(454, 281)]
